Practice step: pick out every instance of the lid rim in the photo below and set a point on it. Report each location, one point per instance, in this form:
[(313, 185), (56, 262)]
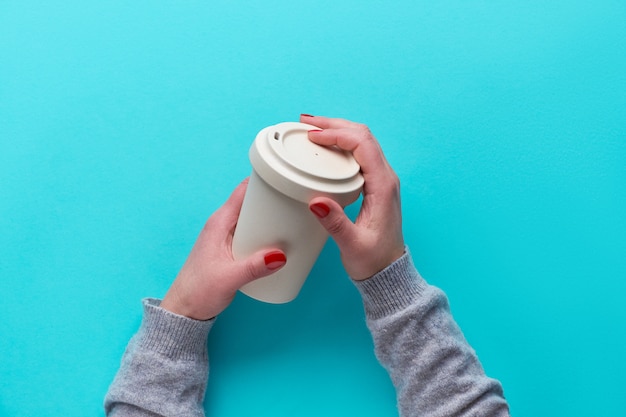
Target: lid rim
[(297, 183)]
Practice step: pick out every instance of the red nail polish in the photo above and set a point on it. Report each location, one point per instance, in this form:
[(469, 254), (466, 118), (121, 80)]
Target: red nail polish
[(321, 210), (306, 115), (275, 260)]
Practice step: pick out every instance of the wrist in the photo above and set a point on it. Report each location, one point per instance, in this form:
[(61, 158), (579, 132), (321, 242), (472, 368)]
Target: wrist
[(176, 304), (363, 271)]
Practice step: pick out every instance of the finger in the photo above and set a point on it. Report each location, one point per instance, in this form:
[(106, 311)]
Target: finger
[(332, 217), (258, 265), (327, 122), (234, 202), (363, 146), (347, 135), (227, 215)]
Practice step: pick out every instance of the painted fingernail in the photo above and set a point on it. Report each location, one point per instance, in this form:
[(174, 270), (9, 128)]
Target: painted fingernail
[(321, 210), (315, 130), (306, 115), (275, 260)]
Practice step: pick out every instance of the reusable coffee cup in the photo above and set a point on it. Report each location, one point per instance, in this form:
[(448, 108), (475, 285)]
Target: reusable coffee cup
[(288, 172)]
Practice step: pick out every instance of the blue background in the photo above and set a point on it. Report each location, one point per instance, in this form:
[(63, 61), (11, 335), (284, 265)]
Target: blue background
[(124, 125)]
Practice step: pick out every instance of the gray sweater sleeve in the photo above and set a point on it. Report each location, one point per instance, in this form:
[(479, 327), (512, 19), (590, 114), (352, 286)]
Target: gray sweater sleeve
[(165, 367), (164, 370), (433, 368)]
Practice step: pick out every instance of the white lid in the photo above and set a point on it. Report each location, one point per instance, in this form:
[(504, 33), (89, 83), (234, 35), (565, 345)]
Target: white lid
[(287, 160)]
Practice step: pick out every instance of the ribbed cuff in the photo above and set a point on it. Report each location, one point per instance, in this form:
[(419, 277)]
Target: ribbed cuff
[(171, 335), (392, 289)]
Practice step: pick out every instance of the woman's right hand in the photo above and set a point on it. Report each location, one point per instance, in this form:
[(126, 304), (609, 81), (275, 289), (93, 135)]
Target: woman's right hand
[(209, 279), (375, 240)]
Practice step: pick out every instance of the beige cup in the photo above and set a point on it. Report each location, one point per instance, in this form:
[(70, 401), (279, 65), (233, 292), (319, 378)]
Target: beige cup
[(288, 171)]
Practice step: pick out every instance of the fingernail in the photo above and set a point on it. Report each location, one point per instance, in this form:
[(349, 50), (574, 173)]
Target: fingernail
[(306, 115), (321, 210), (275, 260), (315, 130)]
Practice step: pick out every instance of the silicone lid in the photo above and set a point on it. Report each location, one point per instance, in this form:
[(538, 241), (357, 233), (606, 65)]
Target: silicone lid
[(287, 160)]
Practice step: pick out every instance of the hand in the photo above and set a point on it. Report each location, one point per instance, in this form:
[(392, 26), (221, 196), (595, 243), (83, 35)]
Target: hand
[(375, 240), (210, 277)]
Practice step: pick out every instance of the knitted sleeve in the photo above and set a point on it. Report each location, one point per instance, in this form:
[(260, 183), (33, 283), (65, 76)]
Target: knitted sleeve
[(433, 368), (165, 368)]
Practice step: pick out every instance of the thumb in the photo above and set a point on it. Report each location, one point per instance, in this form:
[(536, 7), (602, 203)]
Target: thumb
[(332, 217), (259, 265)]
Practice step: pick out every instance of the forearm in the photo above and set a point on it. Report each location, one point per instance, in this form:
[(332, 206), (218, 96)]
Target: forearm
[(164, 370), (434, 370)]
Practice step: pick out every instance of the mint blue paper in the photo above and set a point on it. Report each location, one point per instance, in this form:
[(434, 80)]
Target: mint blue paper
[(124, 125)]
